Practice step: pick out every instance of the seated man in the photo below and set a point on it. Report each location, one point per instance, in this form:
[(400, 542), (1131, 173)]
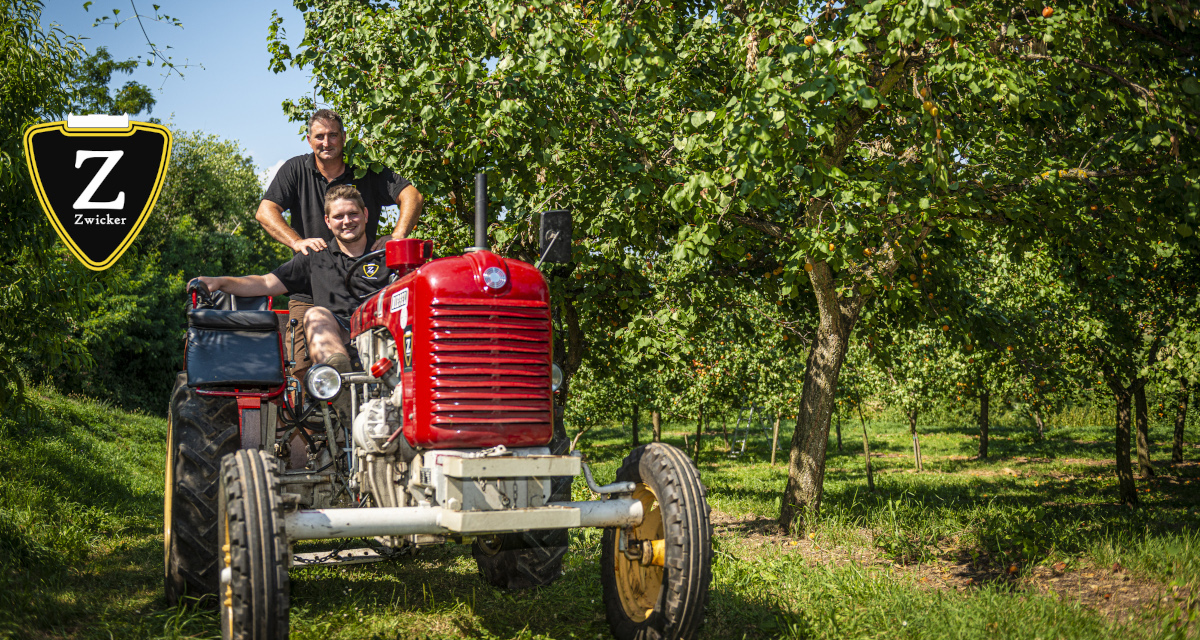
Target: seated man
[(321, 275)]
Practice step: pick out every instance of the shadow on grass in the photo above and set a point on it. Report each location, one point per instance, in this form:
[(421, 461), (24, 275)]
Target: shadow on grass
[(438, 593)]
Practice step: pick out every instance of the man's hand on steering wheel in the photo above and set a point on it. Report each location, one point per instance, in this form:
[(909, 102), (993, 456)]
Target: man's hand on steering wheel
[(204, 286)]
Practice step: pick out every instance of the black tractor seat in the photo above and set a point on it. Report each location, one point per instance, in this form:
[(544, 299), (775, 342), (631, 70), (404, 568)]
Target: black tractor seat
[(237, 346)]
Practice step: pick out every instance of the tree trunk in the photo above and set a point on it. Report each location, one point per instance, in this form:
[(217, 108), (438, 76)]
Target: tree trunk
[(836, 318), (839, 430), (806, 455), (984, 400), (1041, 426), (775, 440), (912, 428), (1180, 418), (656, 424), (1145, 467), (1127, 489), (635, 426), (566, 317), (699, 431), (725, 431)]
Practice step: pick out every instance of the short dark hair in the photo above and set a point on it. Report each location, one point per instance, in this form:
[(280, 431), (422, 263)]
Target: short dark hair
[(343, 192), (328, 115)]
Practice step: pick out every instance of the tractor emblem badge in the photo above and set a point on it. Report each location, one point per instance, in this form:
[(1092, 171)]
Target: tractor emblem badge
[(408, 350), (97, 178)]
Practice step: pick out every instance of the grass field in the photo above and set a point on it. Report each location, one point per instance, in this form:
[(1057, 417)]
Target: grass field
[(1028, 544)]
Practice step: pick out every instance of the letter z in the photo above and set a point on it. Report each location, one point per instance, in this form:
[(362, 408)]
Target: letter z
[(110, 160)]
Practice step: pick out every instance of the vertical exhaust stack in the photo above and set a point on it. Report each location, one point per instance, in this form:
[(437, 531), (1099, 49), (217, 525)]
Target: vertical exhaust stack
[(481, 212)]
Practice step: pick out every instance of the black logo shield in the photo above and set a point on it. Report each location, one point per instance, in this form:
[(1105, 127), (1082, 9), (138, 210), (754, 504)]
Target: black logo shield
[(97, 184)]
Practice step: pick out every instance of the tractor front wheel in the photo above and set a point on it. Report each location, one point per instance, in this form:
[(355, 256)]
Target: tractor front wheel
[(254, 549), (655, 575)]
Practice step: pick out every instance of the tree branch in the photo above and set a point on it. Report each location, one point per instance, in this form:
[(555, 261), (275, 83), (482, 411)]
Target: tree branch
[(1150, 33), (1132, 86), (769, 228), (1069, 174)]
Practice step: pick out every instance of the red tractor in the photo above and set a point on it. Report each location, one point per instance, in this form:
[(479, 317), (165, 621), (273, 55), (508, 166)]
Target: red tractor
[(451, 437)]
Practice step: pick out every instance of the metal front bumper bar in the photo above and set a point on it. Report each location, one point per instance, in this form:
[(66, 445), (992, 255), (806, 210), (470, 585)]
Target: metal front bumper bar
[(314, 524)]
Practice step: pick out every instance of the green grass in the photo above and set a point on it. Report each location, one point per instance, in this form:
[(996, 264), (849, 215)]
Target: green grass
[(80, 543)]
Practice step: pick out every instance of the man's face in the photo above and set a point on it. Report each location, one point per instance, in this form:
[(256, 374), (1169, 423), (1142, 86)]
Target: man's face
[(326, 139), (347, 222)]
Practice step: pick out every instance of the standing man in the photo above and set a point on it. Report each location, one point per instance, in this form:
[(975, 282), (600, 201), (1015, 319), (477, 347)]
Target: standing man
[(300, 187)]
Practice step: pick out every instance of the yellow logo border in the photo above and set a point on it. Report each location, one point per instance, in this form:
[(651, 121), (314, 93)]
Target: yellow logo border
[(97, 132)]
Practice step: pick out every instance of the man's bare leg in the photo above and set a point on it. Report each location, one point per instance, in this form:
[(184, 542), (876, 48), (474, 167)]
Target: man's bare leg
[(326, 339), (327, 345)]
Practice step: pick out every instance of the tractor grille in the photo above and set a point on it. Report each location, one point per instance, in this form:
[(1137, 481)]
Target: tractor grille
[(490, 365)]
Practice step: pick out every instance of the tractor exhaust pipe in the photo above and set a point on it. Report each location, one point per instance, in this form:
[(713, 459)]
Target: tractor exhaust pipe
[(481, 212)]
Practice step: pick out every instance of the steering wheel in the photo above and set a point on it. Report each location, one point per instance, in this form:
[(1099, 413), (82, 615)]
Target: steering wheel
[(363, 259), (201, 292)]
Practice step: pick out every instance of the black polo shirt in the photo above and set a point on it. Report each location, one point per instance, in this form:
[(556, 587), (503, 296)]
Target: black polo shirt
[(321, 275), (300, 188)]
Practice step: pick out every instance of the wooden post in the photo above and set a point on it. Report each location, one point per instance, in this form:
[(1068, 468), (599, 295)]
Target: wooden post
[(839, 429), (725, 431), (984, 399), (699, 431), (775, 440), (866, 448), (656, 424)]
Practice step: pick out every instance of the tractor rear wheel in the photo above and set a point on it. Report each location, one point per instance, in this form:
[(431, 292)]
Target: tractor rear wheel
[(254, 558), (521, 560), (528, 559), (200, 431), (660, 593)]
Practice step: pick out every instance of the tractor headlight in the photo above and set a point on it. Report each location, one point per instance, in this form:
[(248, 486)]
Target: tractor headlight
[(555, 377), (494, 277), (323, 382)]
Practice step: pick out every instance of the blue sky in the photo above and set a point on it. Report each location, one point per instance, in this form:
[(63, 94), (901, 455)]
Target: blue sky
[(234, 96)]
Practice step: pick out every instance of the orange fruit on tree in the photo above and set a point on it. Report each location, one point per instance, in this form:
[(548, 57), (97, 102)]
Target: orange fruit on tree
[(809, 41), (808, 266), (1047, 12)]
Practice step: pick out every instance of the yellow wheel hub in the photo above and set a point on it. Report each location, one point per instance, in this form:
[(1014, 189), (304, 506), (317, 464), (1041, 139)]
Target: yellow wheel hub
[(638, 585)]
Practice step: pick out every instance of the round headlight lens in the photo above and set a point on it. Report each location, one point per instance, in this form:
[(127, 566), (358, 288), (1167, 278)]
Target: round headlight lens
[(323, 382), (556, 376), (494, 277)]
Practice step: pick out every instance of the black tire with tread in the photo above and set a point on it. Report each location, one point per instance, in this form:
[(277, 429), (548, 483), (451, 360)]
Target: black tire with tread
[(254, 600), (201, 430), (523, 560), (528, 559), (687, 572)]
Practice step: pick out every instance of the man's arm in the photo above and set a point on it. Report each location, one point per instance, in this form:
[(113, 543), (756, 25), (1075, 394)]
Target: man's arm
[(411, 202), (270, 216), (245, 286)]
